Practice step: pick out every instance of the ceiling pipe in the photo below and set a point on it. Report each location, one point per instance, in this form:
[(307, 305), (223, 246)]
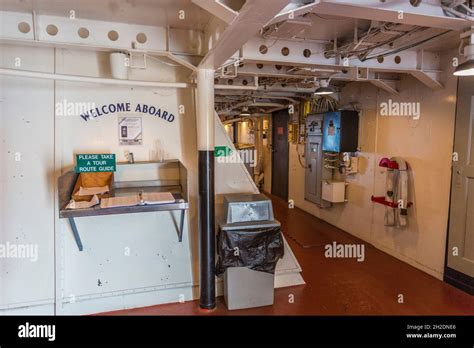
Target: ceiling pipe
[(174, 56), (277, 109), (237, 119), (232, 87), (267, 104), (276, 97), (86, 79), (250, 104)]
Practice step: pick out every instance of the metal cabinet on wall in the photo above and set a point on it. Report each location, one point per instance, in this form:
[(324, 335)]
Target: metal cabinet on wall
[(314, 170), (340, 131)]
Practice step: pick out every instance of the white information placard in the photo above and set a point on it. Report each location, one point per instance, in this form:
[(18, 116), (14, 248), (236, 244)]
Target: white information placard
[(130, 130)]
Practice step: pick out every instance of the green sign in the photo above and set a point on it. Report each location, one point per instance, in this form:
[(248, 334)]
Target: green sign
[(222, 151), (93, 163)]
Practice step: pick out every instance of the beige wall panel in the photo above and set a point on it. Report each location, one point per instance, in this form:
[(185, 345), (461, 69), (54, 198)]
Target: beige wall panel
[(426, 144)]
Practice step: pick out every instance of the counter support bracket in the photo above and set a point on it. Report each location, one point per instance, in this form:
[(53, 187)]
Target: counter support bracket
[(77, 237), (181, 225), (176, 185)]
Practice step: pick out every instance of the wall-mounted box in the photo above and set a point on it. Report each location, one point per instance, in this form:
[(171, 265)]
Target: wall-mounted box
[(334, 191), (314, 168), (341, 131)]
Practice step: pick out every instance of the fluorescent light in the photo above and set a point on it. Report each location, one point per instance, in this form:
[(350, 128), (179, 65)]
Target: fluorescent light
[(465, 69), (324, 91)]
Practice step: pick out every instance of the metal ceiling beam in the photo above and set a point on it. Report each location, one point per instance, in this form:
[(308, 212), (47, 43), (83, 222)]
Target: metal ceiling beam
[(425, 66), (174, 44), (354, 75), (388, 86), (96, 34), (430, 79), (251, 18), (427, 13), (288, 90), (292, 13), (249, 103), (258, 94), (367, 75), (283, 71), (218, 9)]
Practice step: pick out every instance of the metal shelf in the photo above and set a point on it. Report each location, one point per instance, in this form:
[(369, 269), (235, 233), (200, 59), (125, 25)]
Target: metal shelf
[(178, 188)]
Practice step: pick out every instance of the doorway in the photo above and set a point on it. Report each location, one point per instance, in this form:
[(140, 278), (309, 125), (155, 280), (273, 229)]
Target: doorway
[(280, 154), (459, 270)]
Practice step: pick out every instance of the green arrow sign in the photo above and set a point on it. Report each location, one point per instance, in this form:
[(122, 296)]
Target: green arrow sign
[(222, 151)]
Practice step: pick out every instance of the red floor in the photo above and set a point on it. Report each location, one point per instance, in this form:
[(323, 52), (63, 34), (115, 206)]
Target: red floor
[(341, 286)]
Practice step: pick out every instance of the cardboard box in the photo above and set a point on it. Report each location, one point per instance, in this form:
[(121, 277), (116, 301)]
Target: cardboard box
[(93, 180)]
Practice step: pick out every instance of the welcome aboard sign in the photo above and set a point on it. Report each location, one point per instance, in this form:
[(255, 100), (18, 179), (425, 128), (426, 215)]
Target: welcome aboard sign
[(127, 107)]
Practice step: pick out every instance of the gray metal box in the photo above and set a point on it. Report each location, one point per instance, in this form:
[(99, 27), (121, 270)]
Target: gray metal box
[(246, 288), (247, 208)]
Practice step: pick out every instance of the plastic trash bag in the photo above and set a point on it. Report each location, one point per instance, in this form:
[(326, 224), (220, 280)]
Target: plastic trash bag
[(256, 248)]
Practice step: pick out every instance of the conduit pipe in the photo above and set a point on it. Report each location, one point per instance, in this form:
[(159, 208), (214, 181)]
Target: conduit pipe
[(238, 119), (76, 78), (242, 88), (254, 104), (205, 143)]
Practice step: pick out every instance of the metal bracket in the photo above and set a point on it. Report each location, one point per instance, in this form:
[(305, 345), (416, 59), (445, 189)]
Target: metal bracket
[(77, 237), (76, 233), (181, 226)]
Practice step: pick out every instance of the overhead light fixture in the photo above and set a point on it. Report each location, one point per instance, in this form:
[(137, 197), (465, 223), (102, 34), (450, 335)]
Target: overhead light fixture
[(467, 68), (324, 88), (245, 111)]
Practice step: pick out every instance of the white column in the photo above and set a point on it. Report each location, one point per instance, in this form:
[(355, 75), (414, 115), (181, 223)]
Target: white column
[(205, 109)]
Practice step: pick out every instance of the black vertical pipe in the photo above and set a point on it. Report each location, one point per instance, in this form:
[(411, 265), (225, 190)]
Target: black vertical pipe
[(236, 132), (207, 230)]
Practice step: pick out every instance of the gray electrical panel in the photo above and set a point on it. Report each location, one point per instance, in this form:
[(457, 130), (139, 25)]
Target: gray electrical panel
[(315, 172)]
